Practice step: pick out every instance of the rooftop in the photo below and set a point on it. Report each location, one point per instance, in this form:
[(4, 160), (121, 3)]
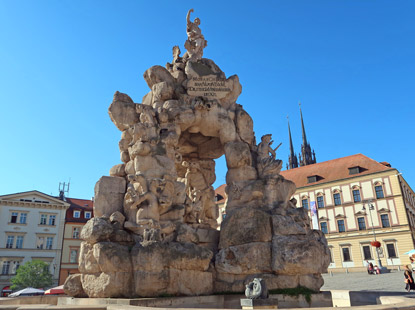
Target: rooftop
[(336, 169)]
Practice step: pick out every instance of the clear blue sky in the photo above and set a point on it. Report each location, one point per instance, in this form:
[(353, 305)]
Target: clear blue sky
[(350, 63)]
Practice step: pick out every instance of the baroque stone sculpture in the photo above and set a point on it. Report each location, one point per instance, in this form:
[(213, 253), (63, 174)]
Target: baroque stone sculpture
[(155, 228)]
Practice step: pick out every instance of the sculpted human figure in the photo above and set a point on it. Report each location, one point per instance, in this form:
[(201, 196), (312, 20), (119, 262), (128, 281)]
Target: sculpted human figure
[(148, 214), (145, 205), (147, 114), (202, 207), (196, 41), (264, 147), (267, 165), (166, 193)]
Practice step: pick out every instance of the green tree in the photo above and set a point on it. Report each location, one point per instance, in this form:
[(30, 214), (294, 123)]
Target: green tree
[(32, 274)]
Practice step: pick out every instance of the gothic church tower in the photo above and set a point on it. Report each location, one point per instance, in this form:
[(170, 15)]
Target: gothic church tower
[(306, 156)]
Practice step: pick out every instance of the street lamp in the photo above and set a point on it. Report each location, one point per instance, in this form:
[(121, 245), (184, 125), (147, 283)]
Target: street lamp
[(371, 207)]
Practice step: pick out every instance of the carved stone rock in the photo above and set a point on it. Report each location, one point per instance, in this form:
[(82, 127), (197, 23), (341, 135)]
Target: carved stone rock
[(245, 225), (299, 252), (109, 195), (155, 229), (73, 286), (96, 230), (122, 111), (248, 258), (105, 285)]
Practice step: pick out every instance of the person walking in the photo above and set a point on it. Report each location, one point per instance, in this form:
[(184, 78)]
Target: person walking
[(409, 280)]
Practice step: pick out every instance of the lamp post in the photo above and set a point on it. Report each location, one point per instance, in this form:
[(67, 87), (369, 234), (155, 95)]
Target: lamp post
[(371, 207)]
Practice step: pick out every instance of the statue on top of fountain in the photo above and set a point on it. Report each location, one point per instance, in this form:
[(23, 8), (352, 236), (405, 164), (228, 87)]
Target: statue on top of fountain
[(195, 42)]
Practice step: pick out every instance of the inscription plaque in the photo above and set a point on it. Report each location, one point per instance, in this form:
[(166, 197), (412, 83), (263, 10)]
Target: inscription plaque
[(209, 86)]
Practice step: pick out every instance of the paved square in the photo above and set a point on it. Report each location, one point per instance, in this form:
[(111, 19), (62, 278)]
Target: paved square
[(391, 281)]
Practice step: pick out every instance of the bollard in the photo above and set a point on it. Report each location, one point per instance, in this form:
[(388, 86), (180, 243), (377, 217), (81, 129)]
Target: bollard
[(331, 273), (347, 270)]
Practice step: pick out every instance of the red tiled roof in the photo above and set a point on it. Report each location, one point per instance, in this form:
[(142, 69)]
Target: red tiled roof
[(335, 169), (80, 205), (221, 191)]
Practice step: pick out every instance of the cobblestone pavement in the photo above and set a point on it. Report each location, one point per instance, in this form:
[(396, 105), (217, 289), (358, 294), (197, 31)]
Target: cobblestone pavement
[(361, 281)]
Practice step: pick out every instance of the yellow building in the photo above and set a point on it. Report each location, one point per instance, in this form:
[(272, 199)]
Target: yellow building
[(79, 212), (358, 199)]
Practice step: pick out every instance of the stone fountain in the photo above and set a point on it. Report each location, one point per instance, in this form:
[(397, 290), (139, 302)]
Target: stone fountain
[(155, 231)]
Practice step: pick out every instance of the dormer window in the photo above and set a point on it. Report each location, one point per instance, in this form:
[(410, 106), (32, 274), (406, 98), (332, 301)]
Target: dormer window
[(355, 170), (312, 178)]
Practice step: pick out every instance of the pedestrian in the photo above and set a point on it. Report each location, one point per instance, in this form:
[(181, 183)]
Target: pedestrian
[(409, 280), (367, 266), (412, 262), (370, 269), (377, 269)]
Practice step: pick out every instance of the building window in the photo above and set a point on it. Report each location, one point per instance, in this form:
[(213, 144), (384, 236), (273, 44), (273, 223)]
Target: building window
[(340, 225), (304, 203), (323, 226), (16, 266), (10, 242), (320, 201), (391, 250), (43, 219), (73, 256), (75, 233), (52, 219), (77, 214), (312, 179), (40, 242), (23, 218), (6, 267), (19, 242), (354, 170), (379, 191), (385, 220), (88, 214), (366, 252), (337, 199), (331, 256), (356, 195), (346, 255), (49, 241), (362, 223), (13, 219)]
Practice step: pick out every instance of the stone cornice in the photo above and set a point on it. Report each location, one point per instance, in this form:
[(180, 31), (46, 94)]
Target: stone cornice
[(34, 250), (18, 203)]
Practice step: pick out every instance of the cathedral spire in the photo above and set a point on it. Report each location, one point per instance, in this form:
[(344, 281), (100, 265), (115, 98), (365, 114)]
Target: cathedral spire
[(302, 126), (292, 159), (307, 156)]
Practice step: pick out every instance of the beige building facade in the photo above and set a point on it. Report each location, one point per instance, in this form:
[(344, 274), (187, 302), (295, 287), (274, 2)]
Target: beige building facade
[(79, 212), (31, 227), (358, 199)]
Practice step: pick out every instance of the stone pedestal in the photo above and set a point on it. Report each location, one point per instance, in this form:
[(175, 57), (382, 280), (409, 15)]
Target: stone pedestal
[(269, 303)]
